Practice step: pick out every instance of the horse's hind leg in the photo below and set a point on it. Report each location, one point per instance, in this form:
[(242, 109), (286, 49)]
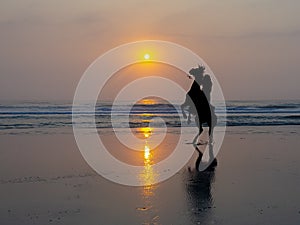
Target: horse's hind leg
[(211, 131), (199, 125), (210, 128), (212, 125), (197, 136), (195, 139)]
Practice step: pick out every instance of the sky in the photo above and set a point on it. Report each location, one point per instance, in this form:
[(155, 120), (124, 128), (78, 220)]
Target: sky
[(252, 46), (121, 80)]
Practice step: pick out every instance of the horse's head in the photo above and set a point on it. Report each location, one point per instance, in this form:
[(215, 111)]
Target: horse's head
[(198, 71)]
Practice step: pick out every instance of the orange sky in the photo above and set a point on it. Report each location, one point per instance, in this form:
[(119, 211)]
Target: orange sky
[(252, 46), (140, 70)]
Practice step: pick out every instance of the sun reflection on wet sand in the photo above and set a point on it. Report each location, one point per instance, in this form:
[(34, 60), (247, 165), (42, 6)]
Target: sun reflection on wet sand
[(146, 152), (146, 131), (148, 176)]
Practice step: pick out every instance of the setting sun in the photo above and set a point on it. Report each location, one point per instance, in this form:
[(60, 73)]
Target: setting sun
[(147, 56)]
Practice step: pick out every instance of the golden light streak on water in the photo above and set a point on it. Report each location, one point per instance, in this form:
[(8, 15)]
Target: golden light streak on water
[(148, 176), (146, 152)]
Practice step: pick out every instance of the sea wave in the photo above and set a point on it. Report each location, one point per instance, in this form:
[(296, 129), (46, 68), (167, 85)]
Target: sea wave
[(45, 116)]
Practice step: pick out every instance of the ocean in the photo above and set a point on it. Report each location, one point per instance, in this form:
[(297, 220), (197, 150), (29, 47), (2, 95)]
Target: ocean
[(45, 117)]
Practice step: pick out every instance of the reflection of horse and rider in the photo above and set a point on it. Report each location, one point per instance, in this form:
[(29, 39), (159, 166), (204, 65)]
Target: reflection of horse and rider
[(197, 102)]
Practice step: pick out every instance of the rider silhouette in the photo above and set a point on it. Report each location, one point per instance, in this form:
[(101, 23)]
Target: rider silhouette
[(207, 86)]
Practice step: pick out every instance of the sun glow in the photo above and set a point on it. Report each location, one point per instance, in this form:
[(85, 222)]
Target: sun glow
[(146, 56)]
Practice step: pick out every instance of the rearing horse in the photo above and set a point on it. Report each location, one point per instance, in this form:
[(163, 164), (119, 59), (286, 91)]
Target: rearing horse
[(198, 105)]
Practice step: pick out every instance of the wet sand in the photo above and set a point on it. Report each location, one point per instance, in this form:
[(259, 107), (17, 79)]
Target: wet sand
[(44, 180)]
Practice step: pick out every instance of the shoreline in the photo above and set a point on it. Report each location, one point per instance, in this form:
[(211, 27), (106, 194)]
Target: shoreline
[(69, 130)]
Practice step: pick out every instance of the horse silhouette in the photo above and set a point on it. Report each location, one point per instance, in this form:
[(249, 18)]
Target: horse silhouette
[(197, 103)]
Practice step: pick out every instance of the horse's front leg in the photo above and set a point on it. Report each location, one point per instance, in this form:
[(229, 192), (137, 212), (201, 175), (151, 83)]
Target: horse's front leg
[(200, 129), (183, 112), (189, 118)]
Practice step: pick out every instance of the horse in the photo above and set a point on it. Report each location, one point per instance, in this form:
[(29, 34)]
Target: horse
[(205, 113), (198, 105), (194, 90)]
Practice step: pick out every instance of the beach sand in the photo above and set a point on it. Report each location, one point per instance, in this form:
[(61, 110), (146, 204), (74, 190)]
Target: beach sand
[(45, 180)]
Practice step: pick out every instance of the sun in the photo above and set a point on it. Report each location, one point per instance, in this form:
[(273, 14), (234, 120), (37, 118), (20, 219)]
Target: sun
[(146, 56)]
